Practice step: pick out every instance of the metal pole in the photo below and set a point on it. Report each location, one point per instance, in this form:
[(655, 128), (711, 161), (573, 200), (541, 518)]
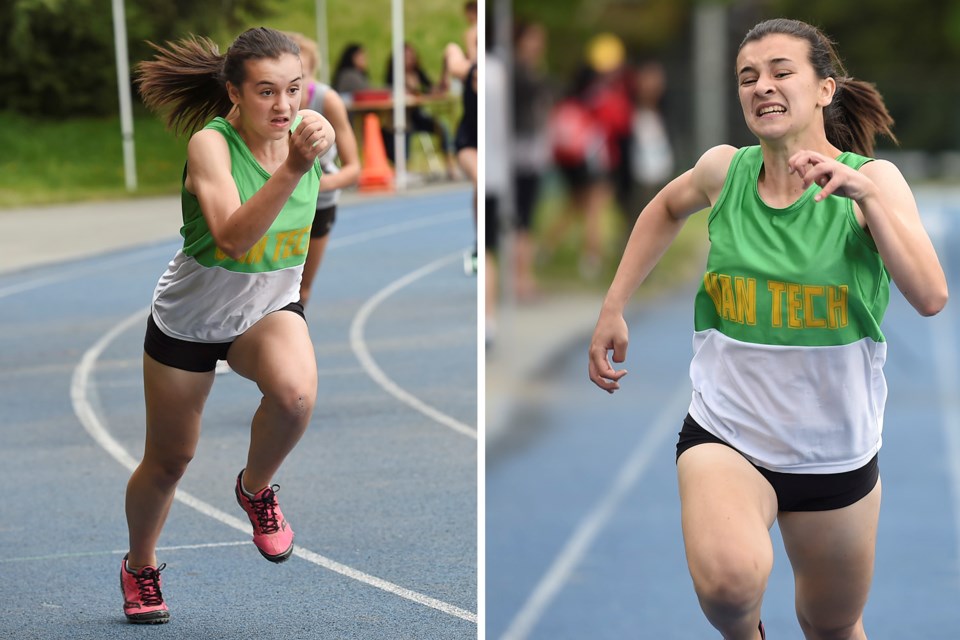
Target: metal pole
[(503, 31), (323, 43), (712, 74), (399, 99), (123, 86)]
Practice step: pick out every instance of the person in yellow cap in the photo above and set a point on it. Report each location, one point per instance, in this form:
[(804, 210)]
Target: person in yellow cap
[(590, 134), (605, 53)]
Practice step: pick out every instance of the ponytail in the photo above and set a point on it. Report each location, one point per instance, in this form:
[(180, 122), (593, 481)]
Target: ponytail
[(857, 114), (187, 80)]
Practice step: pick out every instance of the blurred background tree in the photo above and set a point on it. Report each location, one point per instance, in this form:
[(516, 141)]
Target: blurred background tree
[(57, 59)]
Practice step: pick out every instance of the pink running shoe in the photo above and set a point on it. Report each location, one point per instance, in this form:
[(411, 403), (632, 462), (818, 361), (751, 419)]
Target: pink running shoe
[(271, 532), (142, 600)]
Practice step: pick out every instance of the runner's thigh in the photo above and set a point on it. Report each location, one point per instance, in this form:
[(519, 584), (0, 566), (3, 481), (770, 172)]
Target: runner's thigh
[(174, 405), (832, 554), (727, 509), (277, 354)]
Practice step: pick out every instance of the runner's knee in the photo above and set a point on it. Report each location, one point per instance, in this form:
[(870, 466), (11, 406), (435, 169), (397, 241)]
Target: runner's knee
[(729, 583), (166, 469), (294, 402)]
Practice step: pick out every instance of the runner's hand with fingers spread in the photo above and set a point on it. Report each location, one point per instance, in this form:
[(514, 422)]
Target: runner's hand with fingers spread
[(311, 139), (610, 334), (833, 177)]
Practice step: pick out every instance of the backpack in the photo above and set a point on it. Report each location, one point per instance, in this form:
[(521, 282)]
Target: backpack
[(575, 137)]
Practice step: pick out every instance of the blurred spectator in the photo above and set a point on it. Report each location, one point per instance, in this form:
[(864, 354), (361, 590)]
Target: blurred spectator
[(609, 99), (651, 157), (589, 134), (340, 164), (457, 65), (418, 83), (470, 35), (530, 149), (351, 72)]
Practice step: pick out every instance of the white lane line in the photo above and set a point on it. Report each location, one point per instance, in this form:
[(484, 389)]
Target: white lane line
[(590, 527), (393, 229), (389, 587), (82, 406), (945, 356), (82, 271), (120, 552), (80, 385), (360, 349)]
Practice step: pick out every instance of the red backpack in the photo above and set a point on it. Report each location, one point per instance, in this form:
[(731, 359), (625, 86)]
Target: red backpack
[(575, 137)]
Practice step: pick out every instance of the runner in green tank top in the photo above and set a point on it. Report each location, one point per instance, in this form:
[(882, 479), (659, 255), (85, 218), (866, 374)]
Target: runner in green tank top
[(806, 231), (249, 192)]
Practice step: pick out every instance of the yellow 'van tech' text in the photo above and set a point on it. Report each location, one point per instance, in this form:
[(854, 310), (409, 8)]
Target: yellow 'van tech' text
[(794, 305)]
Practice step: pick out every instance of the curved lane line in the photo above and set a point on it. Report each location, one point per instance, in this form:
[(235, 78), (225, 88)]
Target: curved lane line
[(395, 228), (359, 347), (79, 394), (91, 422)]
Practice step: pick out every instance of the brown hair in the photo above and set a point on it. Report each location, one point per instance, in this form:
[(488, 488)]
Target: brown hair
[(857, 114), (187, 79)]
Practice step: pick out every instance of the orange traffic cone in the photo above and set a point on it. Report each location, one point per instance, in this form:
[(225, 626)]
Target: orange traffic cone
[(376, 174)]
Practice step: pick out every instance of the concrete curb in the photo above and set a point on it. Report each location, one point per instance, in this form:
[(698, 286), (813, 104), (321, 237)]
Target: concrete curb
[(530, 338)]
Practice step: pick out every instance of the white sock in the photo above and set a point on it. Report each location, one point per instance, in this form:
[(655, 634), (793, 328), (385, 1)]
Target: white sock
[(244, 489)]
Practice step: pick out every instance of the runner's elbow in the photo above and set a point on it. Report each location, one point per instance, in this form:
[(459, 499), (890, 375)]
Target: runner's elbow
[(933, 303)]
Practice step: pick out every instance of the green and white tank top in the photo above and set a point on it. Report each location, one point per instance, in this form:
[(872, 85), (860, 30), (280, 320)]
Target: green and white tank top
[(788, 351), (206, 296)]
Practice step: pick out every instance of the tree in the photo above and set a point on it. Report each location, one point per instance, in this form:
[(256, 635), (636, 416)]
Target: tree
[(56, 56)]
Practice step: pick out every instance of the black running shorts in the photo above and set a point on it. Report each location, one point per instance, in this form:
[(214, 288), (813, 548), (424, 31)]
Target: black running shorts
[(323, 221), (191, 356), (798, 491)]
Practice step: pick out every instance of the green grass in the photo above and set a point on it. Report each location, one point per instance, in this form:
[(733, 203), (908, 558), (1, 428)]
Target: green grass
[(81, 159)]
